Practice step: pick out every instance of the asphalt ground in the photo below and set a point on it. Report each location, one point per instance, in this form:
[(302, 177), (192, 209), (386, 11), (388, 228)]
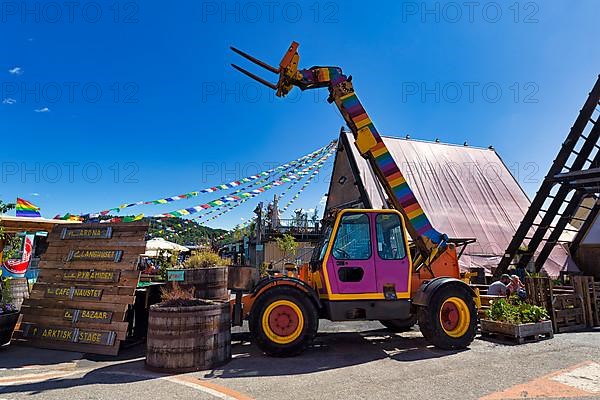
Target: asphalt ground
[(359, 360)]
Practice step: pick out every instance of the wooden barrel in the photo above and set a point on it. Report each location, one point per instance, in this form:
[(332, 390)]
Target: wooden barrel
[(19, 290), (208, 283), (7, 325), (188, 338)]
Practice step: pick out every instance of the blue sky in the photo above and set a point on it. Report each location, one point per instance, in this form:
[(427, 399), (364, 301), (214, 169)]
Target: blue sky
[(142, 92)]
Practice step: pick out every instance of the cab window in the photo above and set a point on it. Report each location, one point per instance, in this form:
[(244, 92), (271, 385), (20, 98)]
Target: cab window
[(353, 238), (390, 237)]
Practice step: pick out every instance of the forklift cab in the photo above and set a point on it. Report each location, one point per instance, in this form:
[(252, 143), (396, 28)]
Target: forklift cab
[(365, 255)]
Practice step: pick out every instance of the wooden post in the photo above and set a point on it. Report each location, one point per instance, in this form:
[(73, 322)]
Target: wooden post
[(581, 285), (2, 244), (596, 300)]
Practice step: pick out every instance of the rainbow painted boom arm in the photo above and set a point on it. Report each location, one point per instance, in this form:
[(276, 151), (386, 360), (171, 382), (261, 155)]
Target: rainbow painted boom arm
[(429, 241)]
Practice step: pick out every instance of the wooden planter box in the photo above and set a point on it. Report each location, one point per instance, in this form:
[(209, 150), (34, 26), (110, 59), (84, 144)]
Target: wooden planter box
[(520, 333), (7, 326)]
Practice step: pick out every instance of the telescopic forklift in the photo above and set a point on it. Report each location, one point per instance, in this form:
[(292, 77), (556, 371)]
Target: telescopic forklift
[(363, 267)]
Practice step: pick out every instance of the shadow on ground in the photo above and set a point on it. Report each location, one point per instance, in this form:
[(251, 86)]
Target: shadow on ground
[(18, 356), (330, 351), (114, 374)]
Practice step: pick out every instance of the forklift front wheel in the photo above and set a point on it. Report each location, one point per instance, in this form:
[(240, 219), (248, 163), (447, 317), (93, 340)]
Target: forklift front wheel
[(449, 321), (283, 322)]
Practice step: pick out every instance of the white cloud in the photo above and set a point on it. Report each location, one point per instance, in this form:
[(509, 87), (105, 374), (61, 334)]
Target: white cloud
[(16, 71), (34, 194), (8, 101), (42, 110), (323, 200)]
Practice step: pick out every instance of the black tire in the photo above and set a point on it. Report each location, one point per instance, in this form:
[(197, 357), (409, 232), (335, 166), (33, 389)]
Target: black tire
[(399, 325), (307, 333), (430, 322)]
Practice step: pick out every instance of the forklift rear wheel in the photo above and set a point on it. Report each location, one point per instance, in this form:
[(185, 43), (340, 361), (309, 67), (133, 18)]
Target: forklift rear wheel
[(399, 325), (283, 322), (449, 321)]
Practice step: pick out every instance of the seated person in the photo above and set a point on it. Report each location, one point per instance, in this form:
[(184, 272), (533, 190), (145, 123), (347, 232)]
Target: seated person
[(516, 286), (499, 288)]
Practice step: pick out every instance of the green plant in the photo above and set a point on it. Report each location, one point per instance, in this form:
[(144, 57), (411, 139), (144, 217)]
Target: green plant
[(204, 259), (288, 245), (10, 241), (514, 311), (263, 269), (6, 299), (6, 207)]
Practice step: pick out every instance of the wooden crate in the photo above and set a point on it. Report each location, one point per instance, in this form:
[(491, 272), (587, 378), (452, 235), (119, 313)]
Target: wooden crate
[(569, 305), (520, 333), (596, 303), (568, 313), (583, 287)]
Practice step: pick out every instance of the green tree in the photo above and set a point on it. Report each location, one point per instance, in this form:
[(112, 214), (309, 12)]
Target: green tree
[(5, 238), (288, 245)]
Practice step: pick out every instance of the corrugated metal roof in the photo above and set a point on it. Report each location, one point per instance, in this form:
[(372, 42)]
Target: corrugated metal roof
[(467, 192)]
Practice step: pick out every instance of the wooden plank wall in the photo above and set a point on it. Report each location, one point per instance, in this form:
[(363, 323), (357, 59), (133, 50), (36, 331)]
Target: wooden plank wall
[(87, 281)]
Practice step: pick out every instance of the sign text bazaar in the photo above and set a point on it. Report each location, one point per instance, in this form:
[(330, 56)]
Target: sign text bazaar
[(63, 292), (95, 255), (96, 316), (73, 335), (91, 275), (86, 233)]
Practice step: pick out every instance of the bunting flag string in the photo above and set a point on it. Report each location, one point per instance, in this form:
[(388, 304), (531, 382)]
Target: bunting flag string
[(253, 184), (289, 203), (138, 217), (234, 205), (227, 199), (309, 157), (299, 192)]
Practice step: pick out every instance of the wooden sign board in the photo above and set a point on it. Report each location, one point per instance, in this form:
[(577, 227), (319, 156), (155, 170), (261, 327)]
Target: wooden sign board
[(87, 281), (90, 275), (99, 317), (95, 255), (73, 292), (72, 335), (86, 233)]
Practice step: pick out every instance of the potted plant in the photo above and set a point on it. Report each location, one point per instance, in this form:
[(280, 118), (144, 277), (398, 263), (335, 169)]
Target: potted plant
[(288, 245), (206, 272), (9, 315), (187, 334), (515, 319)]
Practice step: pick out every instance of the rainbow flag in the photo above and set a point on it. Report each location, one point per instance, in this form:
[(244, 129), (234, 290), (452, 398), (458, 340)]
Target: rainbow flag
[(26, 209)]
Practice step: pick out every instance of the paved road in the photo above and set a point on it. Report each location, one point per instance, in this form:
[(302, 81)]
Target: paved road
[(348, 361)]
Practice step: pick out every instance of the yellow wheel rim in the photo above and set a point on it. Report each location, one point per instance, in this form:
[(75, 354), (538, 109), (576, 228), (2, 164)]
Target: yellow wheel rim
[(283, 321), (455, 317)]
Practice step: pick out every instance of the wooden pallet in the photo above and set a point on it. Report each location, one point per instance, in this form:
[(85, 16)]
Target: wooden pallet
[(571, 307), (508, 339), (568, 313), (596, 303)]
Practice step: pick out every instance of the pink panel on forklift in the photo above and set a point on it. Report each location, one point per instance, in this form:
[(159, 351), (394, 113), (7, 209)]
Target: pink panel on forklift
[(467, 192)]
